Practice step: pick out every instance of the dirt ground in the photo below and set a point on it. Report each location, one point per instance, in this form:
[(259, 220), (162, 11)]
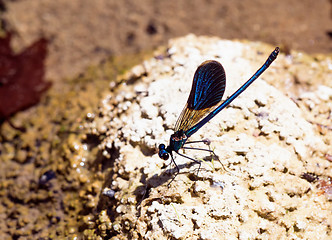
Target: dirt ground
[(50, 177), (84, 32)]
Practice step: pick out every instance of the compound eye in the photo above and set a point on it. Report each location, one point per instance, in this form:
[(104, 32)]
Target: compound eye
[(165, 155)]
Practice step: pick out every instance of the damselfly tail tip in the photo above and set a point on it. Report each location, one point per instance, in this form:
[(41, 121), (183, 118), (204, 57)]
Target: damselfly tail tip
[(273, 55), (276, 50)]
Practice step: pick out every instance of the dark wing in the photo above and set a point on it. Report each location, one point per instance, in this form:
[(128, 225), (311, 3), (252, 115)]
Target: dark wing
[(206, 92)]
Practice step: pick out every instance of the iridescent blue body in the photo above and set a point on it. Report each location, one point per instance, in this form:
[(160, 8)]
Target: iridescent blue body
[(203, 103)]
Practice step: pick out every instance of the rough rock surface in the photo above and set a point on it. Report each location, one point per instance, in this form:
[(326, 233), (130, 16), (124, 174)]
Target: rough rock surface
[(266, 142)]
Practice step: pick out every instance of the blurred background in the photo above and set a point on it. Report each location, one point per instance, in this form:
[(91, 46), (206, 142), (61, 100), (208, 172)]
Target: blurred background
[(83, 32)]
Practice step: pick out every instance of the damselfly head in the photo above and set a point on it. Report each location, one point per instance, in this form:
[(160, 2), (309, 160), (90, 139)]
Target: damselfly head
[(163, 154)]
